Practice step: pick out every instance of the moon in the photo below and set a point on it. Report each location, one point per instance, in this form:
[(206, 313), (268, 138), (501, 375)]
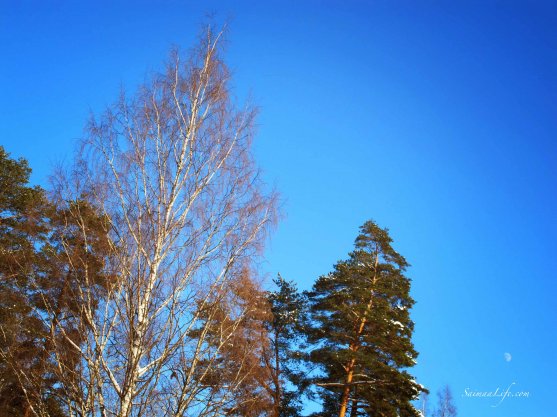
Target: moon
[(507, 356)]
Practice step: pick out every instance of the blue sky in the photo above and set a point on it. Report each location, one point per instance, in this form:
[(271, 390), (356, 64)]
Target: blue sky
[(435, 118)]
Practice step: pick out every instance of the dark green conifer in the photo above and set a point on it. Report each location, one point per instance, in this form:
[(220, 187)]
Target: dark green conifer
[(43, 258), (22, 334), (283, 357), (361, 330)]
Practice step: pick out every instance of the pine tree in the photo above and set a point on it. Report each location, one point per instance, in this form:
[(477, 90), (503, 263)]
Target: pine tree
[(22, 229), (43, 259), (283, 357), (362, 331)]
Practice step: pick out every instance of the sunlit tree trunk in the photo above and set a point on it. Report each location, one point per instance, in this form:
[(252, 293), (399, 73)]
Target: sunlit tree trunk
[(172, 171), (356, 345)]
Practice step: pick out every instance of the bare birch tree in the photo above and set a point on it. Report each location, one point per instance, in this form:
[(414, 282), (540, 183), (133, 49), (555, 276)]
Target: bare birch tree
[(445, 404), (172, 171)]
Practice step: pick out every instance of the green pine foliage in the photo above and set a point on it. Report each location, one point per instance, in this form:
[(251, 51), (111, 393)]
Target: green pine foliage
[(350, 337), (23, 228), (284, 356), (43, 259), (361, 331)]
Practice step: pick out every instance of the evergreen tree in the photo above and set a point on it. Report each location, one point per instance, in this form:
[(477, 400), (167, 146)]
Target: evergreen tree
[(23, 228), (283, 357), (361, 330), (43, 257)]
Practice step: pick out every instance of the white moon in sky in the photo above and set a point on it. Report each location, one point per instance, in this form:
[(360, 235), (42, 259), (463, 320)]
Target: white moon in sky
[(507, 356)]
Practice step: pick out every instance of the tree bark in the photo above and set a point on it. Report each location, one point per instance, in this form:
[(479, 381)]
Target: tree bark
[(354, 346)]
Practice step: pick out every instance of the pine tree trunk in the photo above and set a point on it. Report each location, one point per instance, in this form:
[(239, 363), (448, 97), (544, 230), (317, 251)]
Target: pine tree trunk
[(346, 392), (354, 347)]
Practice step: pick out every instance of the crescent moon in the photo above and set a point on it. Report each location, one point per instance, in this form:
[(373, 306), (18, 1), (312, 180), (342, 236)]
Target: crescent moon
[(507, 356)]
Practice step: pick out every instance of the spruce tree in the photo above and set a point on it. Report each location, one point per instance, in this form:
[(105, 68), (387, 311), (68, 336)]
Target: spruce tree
[(361, 330), (283, 357)]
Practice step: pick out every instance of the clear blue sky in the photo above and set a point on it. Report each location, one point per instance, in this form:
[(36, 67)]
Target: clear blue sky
[(435, 118)]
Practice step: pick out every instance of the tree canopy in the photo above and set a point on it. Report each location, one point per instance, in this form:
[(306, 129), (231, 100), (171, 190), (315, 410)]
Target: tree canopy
[(361, 331)]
